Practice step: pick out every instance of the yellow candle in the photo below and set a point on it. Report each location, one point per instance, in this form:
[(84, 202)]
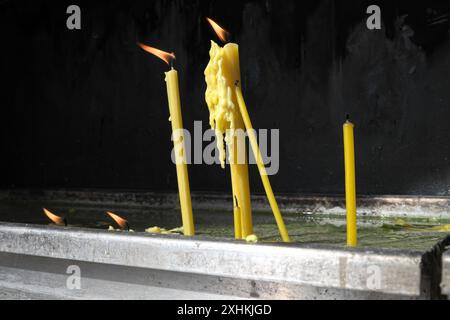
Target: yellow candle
[(260, 164), (239, 171), (237, 220), (221, 73), (350, 184), (173, 96)]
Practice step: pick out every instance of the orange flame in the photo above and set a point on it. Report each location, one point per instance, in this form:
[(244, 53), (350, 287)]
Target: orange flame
[(54, 218), (123, 224), (165, 56), (221, 32)]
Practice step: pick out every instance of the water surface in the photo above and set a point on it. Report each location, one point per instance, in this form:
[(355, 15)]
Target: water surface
[(318, 229)]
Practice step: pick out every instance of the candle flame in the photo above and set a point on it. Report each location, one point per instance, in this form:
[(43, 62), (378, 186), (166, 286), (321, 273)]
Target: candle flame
[(123, 224), (165, 56), (221, 32), (54, 218)]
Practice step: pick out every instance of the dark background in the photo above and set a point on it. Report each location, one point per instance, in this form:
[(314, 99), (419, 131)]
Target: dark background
[(88, 108)]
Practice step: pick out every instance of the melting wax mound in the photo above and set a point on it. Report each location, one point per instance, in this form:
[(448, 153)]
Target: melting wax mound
[(154, 230), (220, 99), (251, 238)]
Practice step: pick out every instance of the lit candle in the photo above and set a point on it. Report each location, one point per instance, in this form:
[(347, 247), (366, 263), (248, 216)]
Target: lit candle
[(173, 96), (350, 184), (227, 107), (221, 74), (239, 170)]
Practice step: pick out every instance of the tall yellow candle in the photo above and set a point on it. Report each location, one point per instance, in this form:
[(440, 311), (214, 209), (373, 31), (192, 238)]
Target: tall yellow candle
[(261, 167), (237, 219), (173, 95), (239, 171), (221, 73), (350, 184)]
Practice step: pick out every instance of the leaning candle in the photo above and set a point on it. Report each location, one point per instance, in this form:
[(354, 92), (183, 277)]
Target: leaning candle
[(173, 96), (350, 188), (260, 164)]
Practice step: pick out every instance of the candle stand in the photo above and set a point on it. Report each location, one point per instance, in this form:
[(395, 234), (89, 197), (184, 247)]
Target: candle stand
[(35, 257)]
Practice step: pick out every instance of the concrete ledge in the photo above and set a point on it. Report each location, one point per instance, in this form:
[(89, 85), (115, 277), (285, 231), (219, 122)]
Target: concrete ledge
[(378, 271)]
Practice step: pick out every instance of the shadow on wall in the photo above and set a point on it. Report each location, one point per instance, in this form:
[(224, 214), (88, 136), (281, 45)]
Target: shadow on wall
[(88, 108)]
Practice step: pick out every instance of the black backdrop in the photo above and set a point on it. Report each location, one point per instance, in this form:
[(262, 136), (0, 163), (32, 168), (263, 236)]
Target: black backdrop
[(87, 108)]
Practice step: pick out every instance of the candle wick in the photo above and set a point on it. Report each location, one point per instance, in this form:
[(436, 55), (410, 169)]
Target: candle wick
[(347, 117)]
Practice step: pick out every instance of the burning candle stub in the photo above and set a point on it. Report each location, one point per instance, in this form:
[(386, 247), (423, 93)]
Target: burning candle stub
[(60, 221), (121, 222), (173, 96), (227, 114)]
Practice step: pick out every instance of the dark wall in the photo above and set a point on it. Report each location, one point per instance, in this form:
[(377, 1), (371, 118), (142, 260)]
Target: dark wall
[(88, 108)]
